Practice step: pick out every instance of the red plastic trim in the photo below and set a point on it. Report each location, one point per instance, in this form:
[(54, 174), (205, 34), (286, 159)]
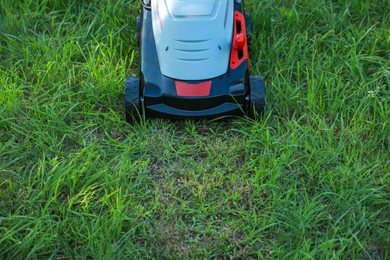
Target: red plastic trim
[(240, 42), (193, 90)]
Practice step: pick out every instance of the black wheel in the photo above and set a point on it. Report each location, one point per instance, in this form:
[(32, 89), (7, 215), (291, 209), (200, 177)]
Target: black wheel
[(132, 100), (256, 96)]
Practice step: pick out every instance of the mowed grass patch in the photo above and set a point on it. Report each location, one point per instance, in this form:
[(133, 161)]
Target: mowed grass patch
[(308, 179)]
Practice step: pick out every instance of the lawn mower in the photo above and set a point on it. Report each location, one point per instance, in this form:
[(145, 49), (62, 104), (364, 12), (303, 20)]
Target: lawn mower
[(194, 62)]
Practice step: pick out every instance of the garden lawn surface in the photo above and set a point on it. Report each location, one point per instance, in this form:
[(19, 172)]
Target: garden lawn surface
[(307, 179)]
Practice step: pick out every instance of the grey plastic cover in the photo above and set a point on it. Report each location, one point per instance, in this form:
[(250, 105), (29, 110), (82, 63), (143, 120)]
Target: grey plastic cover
[(193, 37)]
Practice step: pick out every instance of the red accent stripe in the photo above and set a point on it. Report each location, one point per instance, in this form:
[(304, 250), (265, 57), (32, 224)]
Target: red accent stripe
[(235, 60), (193, 90)]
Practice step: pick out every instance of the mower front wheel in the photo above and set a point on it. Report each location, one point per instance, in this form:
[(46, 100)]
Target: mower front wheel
[(256, 100), (133, 108)]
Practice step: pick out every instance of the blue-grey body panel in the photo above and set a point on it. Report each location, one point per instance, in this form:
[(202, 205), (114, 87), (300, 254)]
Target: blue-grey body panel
[(193, 37)]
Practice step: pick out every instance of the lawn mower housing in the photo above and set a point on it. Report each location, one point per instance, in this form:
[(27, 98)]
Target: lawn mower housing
[(194, 62)]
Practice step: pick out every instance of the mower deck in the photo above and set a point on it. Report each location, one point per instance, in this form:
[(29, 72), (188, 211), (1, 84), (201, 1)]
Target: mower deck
[(162, 96)]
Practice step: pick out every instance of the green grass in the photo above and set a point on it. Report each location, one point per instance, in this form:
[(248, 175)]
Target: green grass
[(309, 179)]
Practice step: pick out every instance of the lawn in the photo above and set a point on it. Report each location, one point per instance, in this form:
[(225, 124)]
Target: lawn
[(310, 178)]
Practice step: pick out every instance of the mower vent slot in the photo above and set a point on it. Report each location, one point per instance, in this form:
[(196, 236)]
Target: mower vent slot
[(240, 53), (182, 59), (193, 41), (198, 50), (238, 27)]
